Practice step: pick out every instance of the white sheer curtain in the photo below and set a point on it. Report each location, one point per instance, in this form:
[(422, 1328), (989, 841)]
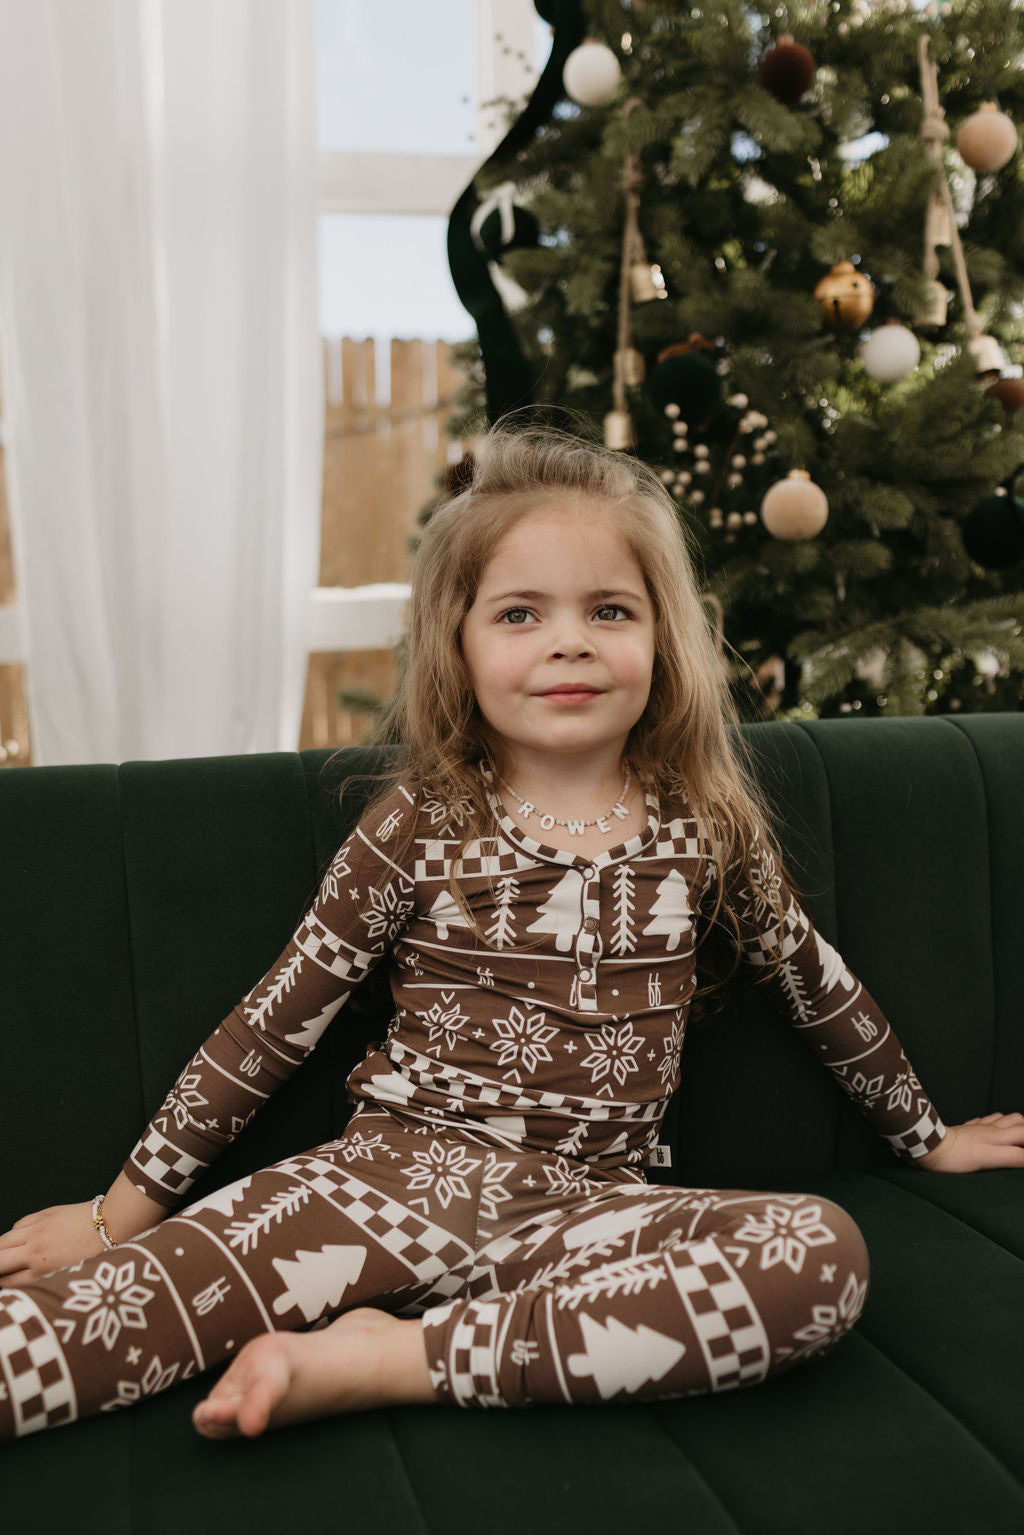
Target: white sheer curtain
[(160, 362)]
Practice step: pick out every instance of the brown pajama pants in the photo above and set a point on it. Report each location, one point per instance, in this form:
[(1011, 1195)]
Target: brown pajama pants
[(538, 1279)]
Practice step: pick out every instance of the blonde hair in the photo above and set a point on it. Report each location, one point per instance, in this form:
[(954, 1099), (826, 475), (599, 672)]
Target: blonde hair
[(682, 745)]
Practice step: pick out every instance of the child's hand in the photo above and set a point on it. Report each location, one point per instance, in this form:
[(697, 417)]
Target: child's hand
[(49, 1240), (996, 1140)]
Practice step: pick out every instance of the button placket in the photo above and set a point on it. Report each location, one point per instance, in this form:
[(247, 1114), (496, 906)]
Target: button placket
[(588, 944)]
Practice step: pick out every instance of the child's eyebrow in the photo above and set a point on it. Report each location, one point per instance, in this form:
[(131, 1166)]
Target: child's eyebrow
[(603, 593)]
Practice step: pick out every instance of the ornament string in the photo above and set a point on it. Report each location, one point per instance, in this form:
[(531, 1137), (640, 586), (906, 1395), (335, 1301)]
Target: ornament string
[(934, 132), (632, 250)]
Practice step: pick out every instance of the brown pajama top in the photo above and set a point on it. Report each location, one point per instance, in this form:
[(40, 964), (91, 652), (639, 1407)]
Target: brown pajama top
[(569, 1047)]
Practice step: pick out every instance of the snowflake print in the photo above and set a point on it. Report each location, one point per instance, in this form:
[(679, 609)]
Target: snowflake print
[(337, 871), (765, 884), (525, 1351), (157, 1378), (524, 1041), (828, 1323), (673, 1045), (900, 1095), (112, 1300), (613, 1052), (443, 1171), (443, 813), (785, 1234), (184, 1095), (356, 1145), (565, 1180), (493, 1192), (387, 914), (445, 1019)]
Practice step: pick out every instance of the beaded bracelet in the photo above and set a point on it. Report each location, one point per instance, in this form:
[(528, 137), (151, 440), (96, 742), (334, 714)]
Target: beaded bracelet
[(100, 1223)]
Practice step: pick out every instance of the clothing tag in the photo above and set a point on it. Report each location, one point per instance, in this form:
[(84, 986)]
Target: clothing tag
[(661, 1156)]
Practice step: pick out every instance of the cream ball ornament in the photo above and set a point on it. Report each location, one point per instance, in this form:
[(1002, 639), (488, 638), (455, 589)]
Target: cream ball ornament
[(592, 74), (988, 140), (795, 508), (890, 353)]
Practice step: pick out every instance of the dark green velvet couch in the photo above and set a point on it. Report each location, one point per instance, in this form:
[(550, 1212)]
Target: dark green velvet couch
[(139, 903)]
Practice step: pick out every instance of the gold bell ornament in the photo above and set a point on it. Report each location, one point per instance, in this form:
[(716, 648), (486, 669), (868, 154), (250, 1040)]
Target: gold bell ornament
[(846, 296), (592, 74), (795, 508), (619, 432), (988, 140)]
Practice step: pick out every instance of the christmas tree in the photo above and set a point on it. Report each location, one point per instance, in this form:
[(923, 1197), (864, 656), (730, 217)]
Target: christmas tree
[(693, 240)]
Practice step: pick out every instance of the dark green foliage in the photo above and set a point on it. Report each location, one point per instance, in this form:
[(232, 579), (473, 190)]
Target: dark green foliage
[(746, 204)]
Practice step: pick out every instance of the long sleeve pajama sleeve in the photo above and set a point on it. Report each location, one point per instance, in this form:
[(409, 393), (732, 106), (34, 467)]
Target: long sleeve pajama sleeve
[(835, 1015), (364, 901)]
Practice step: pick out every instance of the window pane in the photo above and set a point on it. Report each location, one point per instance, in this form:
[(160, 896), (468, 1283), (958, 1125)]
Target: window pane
[(398, 77), (387, 275)]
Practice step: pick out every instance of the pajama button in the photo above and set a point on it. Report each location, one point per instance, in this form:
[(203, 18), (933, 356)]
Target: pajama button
[(589, 871), (590, 924)]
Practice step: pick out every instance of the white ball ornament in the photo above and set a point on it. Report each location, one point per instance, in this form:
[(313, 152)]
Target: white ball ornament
[(795, 508), (988, 140), (592, 74), (672, 412), (890, 353)]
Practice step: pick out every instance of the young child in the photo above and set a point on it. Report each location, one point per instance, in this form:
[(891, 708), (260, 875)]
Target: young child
[(569, 808)]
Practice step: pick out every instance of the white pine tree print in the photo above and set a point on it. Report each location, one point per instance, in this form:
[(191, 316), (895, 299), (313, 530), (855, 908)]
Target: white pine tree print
[(280, 985), (246, 1233), (316, 1281), (624, 900), (671, 915), (560, 913), (622, 1358), (501, 930), (445, 914), (310, 1031)]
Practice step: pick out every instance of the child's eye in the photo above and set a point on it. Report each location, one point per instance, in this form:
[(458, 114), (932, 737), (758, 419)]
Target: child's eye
[(510, 614), (613, 607)]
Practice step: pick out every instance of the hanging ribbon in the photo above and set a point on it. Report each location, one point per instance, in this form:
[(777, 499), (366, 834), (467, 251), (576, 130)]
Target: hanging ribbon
[(501, 201)]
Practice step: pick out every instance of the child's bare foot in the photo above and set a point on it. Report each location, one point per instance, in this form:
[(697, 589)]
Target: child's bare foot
[(366, 1358)]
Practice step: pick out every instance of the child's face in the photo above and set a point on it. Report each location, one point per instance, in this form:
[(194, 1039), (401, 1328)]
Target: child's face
[(561, 602)]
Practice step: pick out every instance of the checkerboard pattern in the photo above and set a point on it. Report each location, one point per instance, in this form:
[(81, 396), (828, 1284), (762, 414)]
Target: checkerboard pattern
[(323, 947), (40, 1391), (730, 1332), (473, 1354), (481, 858), (161, 1161), (916, 1141), (427, 1250)]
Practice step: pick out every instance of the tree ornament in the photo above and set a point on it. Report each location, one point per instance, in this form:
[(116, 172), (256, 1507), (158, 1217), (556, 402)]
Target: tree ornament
[(685, 375), (787, 70), (592, 74), (630, 367), (993, 532), (795, 508), (619, 432), (1009, 392), (846, 296), (646, 282), (988, 356), (890, 353), (988, 140), (934, 310)]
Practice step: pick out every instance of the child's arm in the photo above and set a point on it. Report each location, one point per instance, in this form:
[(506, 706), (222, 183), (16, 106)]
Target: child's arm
[(364, 902), (846, 1030)]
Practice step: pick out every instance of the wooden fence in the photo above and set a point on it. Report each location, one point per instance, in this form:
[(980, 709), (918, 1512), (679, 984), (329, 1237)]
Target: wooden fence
[(383, 451), (382, 457)]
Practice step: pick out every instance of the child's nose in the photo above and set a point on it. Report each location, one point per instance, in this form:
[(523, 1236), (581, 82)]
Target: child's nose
[(569, 637)]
